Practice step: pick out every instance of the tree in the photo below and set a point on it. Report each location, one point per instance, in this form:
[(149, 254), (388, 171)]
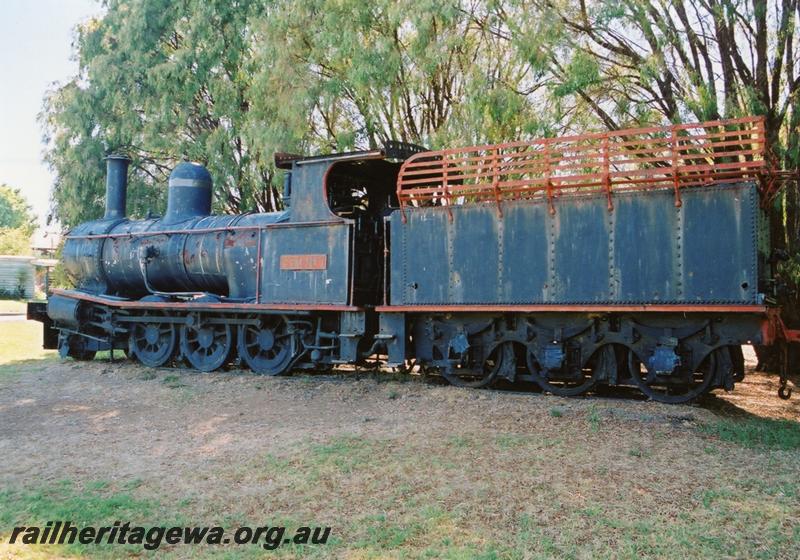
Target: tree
[(359, 73), (628, 61), (636, 62), (17, 222), (15, 212), (229, 85), (14, 241), (162, 82)]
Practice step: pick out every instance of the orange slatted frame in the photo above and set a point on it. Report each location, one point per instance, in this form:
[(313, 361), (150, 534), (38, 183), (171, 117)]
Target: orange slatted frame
[(676, 157)]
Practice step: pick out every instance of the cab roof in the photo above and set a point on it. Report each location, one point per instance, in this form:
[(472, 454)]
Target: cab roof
[(392, 149)]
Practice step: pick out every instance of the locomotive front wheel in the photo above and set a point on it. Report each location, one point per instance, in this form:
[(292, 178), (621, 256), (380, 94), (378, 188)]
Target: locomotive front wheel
[(153, 344), (267, 349), (567, 385), (673, 389), (206, 346)]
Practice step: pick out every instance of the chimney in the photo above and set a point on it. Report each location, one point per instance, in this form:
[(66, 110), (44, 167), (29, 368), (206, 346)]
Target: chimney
[(116, 186)]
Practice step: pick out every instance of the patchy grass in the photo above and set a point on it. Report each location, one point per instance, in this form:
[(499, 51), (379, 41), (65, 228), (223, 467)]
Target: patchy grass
[(97, 503), (432, 473), (172, 381), (470, 496), (593, 417), (638, 452), (765, 433), (21, 341), (515, 496)]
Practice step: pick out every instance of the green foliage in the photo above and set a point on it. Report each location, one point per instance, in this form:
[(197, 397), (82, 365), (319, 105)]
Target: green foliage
[(162, 82), (15, 241), (582, 72), (228, 84), (15, 212), (96, 504), (757, 432), (17, 222)]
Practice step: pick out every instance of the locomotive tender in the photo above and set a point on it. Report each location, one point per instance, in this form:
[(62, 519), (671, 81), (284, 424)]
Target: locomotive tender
[(638, 257)]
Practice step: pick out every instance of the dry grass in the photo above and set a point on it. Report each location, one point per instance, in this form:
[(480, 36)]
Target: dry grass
[(398, 469), (566, 491)]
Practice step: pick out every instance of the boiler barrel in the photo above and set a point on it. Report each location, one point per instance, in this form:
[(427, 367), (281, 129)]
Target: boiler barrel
[(186, 251)]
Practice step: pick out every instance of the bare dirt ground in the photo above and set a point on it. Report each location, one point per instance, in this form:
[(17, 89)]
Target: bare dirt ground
[(136, 422), (403, 468)]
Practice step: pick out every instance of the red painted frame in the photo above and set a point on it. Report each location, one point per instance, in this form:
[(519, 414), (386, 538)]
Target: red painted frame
[(196, 306), (675, 157), (660, 308)]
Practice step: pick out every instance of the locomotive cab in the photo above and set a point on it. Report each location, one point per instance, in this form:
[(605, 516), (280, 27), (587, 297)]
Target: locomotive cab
[(332, 246), (364, 192)]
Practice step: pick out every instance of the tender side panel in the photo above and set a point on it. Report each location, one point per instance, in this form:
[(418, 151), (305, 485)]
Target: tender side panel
[(468, 280), (721, 244), (525, 272), (646, 251), (423, 251), (646, 243), (579, 251)]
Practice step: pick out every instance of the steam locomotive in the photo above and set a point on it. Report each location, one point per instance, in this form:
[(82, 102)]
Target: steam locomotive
[(638, 257)]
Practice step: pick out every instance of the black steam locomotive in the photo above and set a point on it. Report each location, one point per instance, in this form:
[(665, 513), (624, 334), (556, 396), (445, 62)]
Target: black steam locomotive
[(639, 257)]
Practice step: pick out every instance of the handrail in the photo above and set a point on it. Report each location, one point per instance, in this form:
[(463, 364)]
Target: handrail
[(675, 157)]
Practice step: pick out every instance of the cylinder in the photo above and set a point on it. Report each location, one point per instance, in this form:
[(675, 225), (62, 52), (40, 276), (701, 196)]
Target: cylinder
[(189, 193), (116, 186)]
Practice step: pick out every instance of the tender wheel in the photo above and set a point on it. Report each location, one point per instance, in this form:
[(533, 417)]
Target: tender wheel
[(153, 344), (474, 375), (565, 383), (206, 345), (267, 349), (679, 387)]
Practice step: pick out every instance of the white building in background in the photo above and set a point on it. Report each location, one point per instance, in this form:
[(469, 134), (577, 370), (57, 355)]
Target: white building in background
[(25, 276), (17, 276)]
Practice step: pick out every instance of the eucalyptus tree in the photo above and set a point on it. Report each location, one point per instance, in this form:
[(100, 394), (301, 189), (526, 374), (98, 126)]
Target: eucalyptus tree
[(347, 73), (17, 222), (160, 81)]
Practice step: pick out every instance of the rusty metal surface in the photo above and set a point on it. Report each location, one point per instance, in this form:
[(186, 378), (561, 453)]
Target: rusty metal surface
[(199, 306), (650, 308), (677, 157), (328, 244), (647, 251)]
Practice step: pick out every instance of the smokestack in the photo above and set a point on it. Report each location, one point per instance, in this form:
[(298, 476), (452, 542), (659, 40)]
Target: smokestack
[(116, 186)]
